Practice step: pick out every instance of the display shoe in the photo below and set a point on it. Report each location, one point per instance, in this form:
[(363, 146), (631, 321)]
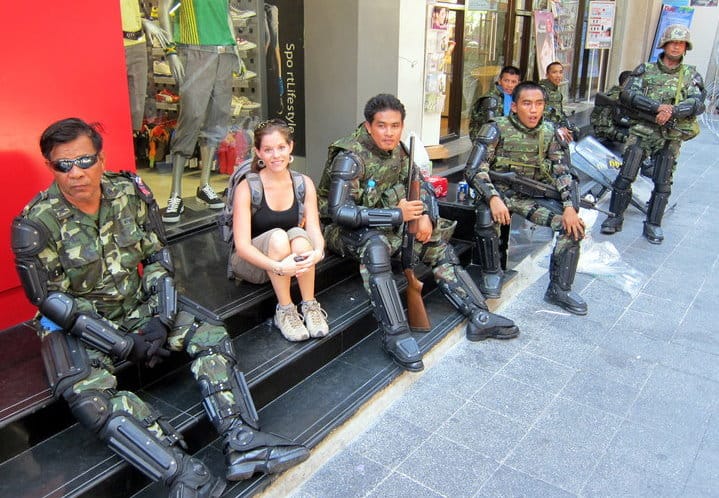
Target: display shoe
[(174, 209), (167, 96), (244, 44), (207, 195), (288, 320), (239, 14), (161, 68), (315, 318)]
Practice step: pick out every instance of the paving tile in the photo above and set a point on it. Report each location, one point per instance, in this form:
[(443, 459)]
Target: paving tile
[(488, 355), (347, 474), (457, 377), (676, 402), (513, 399), (465, 473), (538, 372), (625, 367), (553, 460), (652, 451), (419, 406), (600, 392), (656, 325), (704, 475), (509, 483), (390, 440), (565, 342), (612, 478), (399, 486), (484, 431), (578, 424)]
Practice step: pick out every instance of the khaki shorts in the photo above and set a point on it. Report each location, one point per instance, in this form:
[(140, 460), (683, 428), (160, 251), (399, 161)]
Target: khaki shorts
[(246, 271)]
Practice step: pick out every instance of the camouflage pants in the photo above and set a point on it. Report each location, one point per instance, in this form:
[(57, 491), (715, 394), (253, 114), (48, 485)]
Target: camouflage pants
[(214, 366), (540, 215), (431, 253), (652, 140)]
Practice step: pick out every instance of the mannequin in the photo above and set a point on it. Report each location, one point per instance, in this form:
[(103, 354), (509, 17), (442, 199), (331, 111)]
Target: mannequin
[(202, 57)]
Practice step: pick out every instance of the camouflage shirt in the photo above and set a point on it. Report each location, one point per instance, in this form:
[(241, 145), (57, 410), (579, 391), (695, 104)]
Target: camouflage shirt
[(554, 110), (682, 84), (535, 153), (486, 107), (382, 181), (605, 119), (96, 258)]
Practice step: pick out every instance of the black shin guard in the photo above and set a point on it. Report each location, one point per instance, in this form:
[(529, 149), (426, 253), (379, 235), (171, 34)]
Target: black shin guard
[(562, 270), (488, 255)]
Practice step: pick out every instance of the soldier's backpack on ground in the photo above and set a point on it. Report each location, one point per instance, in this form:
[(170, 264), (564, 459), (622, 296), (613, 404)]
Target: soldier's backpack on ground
[(224, 219)]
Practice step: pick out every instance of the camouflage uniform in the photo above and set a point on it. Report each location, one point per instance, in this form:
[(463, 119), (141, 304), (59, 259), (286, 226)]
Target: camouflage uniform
[(486, 107), (608, 122), (95, 260), (554, 110), (379, 183), (650, 85), (535, 153)]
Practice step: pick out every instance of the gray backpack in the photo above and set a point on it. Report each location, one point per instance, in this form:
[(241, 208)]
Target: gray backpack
[(224, 219)]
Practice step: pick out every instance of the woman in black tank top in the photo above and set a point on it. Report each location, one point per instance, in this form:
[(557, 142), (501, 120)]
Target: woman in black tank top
[(282, 238)]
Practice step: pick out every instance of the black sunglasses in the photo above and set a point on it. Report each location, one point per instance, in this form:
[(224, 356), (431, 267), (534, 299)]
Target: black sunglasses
[(65, 165)]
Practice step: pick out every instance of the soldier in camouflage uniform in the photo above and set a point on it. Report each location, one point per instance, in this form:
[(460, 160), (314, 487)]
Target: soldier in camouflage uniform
[(78, 247), (610, 124), (362, 195), (672, 93), (494, 103), (527, 145), (554, 110)]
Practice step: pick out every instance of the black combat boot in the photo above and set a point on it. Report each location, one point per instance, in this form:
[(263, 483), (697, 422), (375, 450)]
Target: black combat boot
[(466, 297), (617, 205), (562, 270), (402, 347), (248, 450), (194, 480), (652, 226)]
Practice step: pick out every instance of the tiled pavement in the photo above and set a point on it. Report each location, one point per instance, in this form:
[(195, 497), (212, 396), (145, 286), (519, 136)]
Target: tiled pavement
[(622, 402)]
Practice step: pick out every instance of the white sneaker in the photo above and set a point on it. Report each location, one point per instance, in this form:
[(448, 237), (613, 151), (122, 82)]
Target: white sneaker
[(315, 319), (288, 320)]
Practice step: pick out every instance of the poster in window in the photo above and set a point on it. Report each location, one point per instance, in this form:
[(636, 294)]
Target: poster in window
[(600, 24), (544, 33)]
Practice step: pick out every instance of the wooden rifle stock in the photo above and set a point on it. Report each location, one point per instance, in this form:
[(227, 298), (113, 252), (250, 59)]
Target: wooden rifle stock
[(416, 312)]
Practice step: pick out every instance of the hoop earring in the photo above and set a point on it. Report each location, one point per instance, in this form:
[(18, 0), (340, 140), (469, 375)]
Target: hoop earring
[(260, 163), (292, 158)]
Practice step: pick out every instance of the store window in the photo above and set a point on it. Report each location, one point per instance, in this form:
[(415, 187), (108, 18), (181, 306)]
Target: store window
[(267, 83)]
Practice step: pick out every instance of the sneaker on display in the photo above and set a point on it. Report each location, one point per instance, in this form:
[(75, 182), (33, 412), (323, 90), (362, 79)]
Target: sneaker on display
[(288, 320), (208, 196), (315, 319), (244, 44), (161, 68), (174, 209), (238, 14), (167, 96)]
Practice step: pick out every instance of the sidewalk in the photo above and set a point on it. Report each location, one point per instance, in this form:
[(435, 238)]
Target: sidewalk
[(622, 402)]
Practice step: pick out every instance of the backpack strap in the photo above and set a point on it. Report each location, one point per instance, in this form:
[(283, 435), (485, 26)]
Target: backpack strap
[(298, 182), (256, 191), (154, 219)]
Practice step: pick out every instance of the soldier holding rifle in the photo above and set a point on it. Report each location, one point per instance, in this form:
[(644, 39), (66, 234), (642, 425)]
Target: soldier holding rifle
[(363, 196), (527, 147)]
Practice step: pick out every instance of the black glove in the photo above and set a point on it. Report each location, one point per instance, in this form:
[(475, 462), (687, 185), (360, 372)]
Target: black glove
[(149, 342)]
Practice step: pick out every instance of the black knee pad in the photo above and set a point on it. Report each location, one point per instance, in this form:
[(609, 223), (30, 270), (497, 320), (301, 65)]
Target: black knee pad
[(91, 408), (376, 257)]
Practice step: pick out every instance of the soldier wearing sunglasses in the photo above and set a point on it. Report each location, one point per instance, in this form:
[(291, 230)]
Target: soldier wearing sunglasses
[(78, 249)]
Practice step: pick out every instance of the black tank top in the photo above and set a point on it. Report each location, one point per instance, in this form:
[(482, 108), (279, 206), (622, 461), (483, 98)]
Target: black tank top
[(265, 219)]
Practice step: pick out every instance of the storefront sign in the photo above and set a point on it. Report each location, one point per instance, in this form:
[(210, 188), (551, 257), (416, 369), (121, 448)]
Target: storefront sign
[(285, 61), (600, 24), (670, 15)]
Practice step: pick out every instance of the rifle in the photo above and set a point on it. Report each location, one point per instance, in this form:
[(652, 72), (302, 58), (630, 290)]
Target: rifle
[(603, 100), (416, 313), (532, 188)]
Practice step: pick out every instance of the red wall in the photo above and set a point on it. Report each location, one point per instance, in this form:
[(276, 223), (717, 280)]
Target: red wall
[(60, 59)]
